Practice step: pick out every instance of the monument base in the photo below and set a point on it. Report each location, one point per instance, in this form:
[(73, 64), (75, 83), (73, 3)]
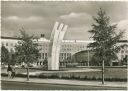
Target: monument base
[(55, 70)]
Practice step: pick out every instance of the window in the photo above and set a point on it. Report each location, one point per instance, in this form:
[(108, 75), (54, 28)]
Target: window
[(83, 46), (69, 54), (126, 51), (39, 55), (122, 56), (65, 54), (6, 44), (45, 54), (11, 50), (122, 51), (2, 44), (12, 44)]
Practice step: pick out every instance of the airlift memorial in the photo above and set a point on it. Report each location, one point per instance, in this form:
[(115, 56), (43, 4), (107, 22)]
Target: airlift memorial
[(56, 38)]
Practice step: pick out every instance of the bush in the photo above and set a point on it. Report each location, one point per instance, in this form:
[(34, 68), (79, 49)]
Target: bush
[(64, 77), (54, 76), (72, 77), (4, 74), (21, 75), (42, 76), (116, 79), (33, 76), (85, 78)]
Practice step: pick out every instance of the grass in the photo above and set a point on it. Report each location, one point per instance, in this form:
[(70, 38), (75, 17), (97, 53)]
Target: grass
[(111, 74), (19, 70)]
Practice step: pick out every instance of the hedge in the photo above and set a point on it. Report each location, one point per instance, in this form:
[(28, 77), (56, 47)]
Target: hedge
[(72, 77)]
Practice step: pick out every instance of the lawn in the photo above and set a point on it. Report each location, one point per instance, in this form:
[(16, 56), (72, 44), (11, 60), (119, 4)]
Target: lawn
[(111, 73), (19, 70)]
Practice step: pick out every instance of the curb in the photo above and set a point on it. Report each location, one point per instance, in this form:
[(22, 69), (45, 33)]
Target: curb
[(101, 85)]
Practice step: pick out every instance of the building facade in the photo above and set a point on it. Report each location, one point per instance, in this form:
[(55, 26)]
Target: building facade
[(68, 48)]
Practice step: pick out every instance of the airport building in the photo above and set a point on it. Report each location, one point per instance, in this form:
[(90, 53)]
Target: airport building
[(68, 48)]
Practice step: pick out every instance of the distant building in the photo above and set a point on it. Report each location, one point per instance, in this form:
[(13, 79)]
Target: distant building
[(68, 48), (9, 43), (123, 52)]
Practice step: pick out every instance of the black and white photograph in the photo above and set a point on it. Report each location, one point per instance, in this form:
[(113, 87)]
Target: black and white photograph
[(64, 45)]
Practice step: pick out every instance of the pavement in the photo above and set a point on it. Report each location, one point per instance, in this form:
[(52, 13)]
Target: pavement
[(66, 82)]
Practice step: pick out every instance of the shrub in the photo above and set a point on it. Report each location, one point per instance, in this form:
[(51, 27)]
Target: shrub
[(116, 79), (21, 75), (64, 77), (41, 76), (72, 77), (85, 78), (93, 78), (54, 76), (4, 74), (33, 76)]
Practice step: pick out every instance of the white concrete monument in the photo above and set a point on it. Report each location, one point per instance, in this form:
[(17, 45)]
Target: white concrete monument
[(56, 38)]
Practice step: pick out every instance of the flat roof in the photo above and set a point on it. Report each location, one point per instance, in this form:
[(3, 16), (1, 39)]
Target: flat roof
[(15, 38), (3, 37)]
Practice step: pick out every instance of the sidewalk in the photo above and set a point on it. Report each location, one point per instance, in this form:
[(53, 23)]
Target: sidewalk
[(67, 82)]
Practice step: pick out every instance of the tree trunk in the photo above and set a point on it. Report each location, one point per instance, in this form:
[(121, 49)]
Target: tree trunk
[(103, 72), (27, 73), (88, 58)]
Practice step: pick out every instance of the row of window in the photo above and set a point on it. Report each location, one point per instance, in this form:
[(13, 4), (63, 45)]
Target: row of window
[(62, 55), (73, 46), (8, 44), (124, 51), (65, 54), (64, 49), (123, 56), (43, 55), (71, 49), (11, 50)]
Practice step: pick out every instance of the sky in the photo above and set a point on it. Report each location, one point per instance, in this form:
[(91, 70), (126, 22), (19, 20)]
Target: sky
[(38, 17)]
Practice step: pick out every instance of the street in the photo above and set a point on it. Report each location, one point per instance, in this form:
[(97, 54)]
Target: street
[(9, 85)]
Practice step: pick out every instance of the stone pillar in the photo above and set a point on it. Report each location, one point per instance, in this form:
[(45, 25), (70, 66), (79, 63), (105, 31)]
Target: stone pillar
[(54, 46)]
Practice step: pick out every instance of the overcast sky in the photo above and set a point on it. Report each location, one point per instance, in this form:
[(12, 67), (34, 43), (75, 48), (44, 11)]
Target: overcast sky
[(39, 17)]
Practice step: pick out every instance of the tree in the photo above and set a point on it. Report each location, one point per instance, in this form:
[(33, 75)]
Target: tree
[(105, 40), (125, 60), (4, 55), (27, 50), (45, 63)]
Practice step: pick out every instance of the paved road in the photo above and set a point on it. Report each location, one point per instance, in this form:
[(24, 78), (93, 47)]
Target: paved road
[(8, 85)]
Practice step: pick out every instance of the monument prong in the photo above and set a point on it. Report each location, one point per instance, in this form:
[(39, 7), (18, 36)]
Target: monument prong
[(62, 33), (61, 36), (51, 44), (55, 42), (53, 31), (60, 27)]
